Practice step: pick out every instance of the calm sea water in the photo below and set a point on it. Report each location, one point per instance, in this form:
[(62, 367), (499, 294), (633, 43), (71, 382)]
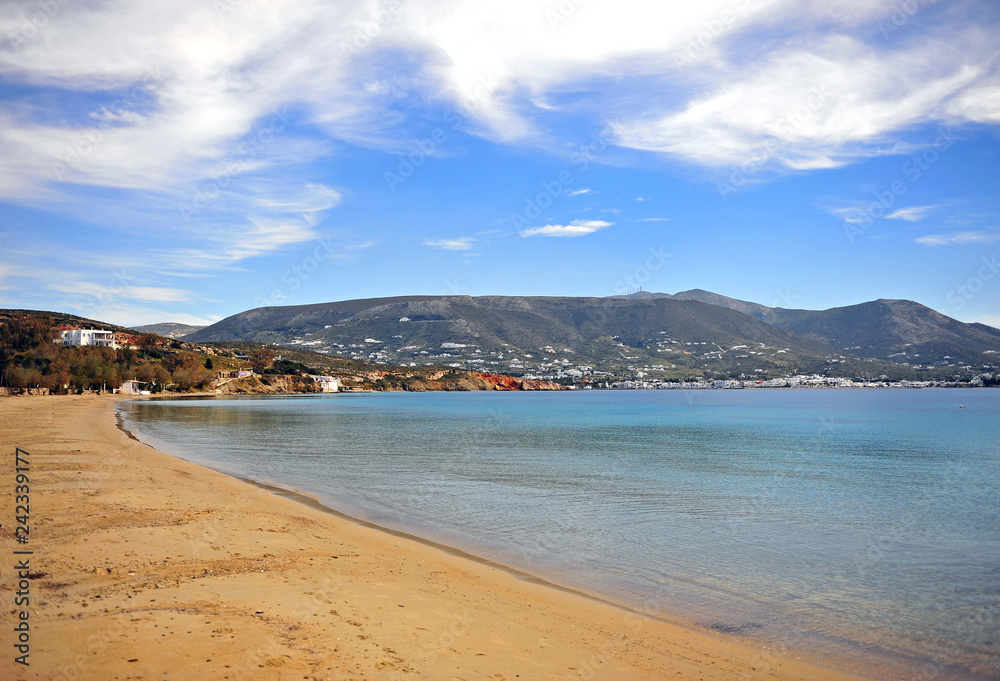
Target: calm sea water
[(860, 526)]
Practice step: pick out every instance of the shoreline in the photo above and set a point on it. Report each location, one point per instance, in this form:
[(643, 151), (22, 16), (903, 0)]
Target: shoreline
[(45, 392), (310, 501), (435, 611)]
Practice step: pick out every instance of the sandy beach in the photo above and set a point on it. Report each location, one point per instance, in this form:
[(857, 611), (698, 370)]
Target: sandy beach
[(144, 566)]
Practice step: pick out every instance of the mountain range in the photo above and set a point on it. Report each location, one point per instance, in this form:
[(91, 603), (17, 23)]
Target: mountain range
[(168, 329), (692, 333), (897, 330)]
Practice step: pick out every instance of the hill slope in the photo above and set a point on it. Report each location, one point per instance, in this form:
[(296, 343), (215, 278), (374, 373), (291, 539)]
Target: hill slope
[(755, 310), (893, 329), (29, 360), (901, 331), (168, 329), (545, 336)]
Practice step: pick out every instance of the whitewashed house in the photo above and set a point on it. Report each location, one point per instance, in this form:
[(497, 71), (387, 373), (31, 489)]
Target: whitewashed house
[(133, 387), (96, 337), (327, 384)]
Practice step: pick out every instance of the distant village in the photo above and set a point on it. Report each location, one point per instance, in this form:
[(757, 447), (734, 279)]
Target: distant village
[(549, 364), (813, 381), (557, 364)]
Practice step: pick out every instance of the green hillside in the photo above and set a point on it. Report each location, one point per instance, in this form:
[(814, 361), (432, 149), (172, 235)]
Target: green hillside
[(658, 336)]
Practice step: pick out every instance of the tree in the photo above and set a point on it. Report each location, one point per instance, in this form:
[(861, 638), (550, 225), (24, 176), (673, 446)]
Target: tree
[(192, 377), (19, 377), (23, 334), (108, 376), (126, 356), (148, 342), (186, 370), (160, 376), (261, 359), (58, 376)]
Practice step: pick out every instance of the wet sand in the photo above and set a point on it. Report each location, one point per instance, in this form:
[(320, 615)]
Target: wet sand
[(145, 566)]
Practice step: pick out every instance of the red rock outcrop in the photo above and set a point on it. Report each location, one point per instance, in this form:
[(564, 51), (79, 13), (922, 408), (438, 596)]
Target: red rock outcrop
[(503, 382)]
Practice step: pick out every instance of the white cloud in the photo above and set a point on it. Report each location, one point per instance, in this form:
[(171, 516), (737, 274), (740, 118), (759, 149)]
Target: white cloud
[(88, 289), (193, 89), (499, 61), (912, 214), (853, 215), (654, 220), (580, 192), (460, 244), (981, 104), (575, 228), (184, 89), (960, 238), (311, 201), (155, 294), (700, 97), (813, 108), (127, 315), (266, 236)]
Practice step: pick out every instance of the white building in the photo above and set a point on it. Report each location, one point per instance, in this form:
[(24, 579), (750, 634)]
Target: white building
[(97, 337), (133, 387), (328, 384)]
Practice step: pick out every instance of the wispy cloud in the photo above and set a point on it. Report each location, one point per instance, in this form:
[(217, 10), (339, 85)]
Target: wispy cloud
[(185, 91), (267, 236), (960, 238), (654, 220), (188, 91), (126, 314), (153, 294), (580, 192), (852, 215), (839, 100), (310, 203), (912, 214), (464, 243), (114, 297), (575, 228)]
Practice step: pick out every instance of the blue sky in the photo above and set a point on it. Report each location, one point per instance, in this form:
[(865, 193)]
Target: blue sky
[(185, 161)]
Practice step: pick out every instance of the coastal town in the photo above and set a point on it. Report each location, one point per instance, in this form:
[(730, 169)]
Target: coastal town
[(312, 363), (689, 337), (560, 365)]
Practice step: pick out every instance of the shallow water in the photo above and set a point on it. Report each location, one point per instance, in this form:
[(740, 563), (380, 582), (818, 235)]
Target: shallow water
[(862, 526)]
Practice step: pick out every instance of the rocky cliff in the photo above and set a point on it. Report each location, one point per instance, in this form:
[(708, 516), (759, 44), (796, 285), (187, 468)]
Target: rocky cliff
[(385, 382)]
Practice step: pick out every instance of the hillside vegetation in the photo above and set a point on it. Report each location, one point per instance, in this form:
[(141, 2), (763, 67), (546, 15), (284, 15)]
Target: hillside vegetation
[(691, 335), (30, 359), (900, 331)]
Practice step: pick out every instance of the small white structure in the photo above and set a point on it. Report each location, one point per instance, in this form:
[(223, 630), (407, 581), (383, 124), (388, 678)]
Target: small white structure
[(97, 337), (132, 388), (328, 384)]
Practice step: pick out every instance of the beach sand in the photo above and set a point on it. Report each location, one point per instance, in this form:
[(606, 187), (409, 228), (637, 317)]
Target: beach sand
[(145, 566)]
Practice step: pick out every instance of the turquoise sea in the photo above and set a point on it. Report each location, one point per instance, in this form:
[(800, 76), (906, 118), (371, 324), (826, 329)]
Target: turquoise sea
[(861, 526)]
